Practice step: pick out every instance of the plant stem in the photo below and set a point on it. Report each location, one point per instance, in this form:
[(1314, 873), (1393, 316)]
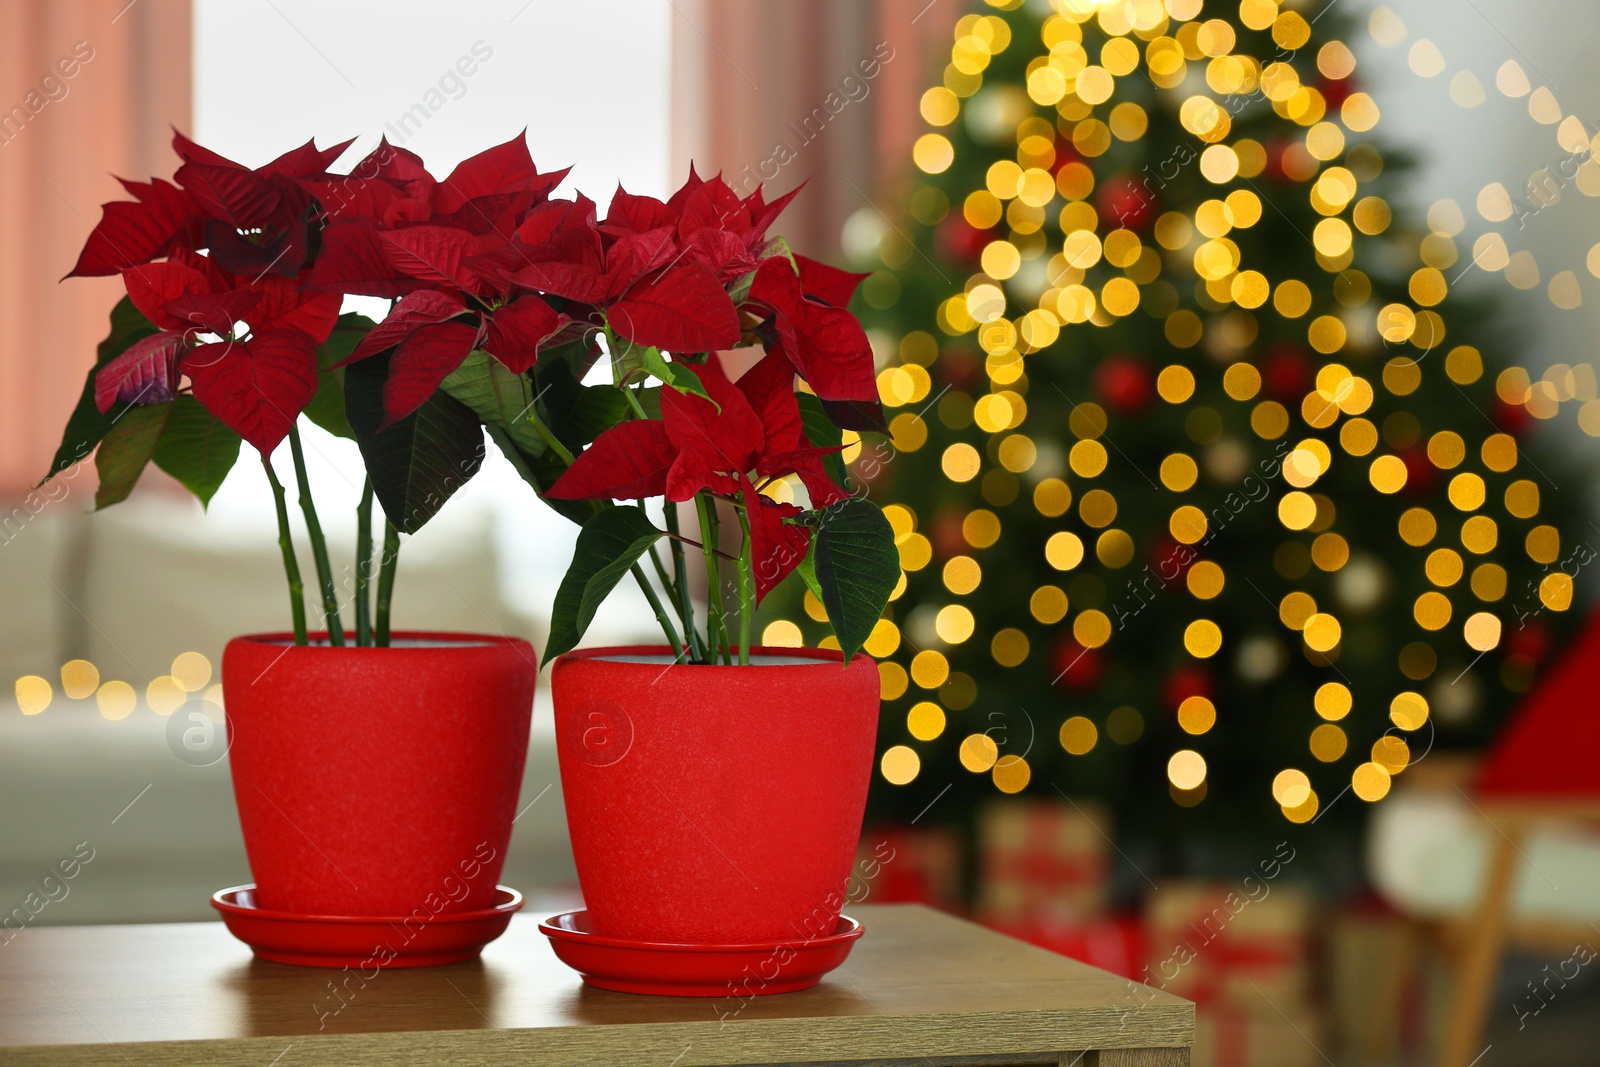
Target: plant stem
[(548, 437), (747, 589), (633, 402), (364, 567), (319, 545), (291, 568), (661, 612), (716, 629), (386, 569), (697, 648)]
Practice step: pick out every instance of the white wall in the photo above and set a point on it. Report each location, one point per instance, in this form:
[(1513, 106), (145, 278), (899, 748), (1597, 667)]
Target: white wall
[(590, 83)]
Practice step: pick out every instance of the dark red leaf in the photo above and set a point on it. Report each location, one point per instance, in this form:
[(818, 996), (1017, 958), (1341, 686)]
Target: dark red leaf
[(807, 463), (433, 254), (627, 462), (683, 309), (574, 281), (413, 310), (153, 286), (354, 260), (776, 546), (190, 152), (284, 254), (712, 204), (213, 312), (423, 360), (724, 252), (230, 193), (502, 169), (147, 373), (402, 168), (285, 305), (518, 329), (769, 387), (352, 196), (130, 234), (675, 203), (307, 160), (635, 214), (826, 345), (763, 214), (256, 387), (633, 256), (828, 284), (496, 213), (717, 436)]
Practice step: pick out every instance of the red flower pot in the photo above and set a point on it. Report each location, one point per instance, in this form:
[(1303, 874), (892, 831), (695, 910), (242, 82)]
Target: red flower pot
[(374, 781), (713, 803)]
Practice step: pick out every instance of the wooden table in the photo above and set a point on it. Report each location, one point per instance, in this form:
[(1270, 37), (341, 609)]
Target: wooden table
[(920, 987)]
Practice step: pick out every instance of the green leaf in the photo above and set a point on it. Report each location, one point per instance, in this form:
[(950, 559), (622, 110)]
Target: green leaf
[(499, 397), (608, 545), (88, 424), (196, 448), (327, 407), (808, 570), (125, 450), (539, 472), (576, 413), (821, 431), (418, 463), (677, 375), (857, 567)]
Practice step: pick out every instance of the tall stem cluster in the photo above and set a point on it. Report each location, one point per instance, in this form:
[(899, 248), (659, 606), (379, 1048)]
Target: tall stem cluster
[(371, 628)]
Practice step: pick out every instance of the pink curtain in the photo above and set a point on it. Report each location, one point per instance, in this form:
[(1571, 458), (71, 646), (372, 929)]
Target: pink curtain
[(88, 88), (785, 92)]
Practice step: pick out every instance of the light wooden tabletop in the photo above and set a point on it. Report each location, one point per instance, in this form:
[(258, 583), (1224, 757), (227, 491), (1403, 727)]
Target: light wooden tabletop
[(919, 984)]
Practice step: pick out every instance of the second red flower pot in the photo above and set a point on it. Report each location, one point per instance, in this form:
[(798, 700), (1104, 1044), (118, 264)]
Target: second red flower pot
[(377, 781), (712, 803)]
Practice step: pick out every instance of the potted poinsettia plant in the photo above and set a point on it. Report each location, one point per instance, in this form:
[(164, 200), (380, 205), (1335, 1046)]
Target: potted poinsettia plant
[(714, 789), (372, 769)]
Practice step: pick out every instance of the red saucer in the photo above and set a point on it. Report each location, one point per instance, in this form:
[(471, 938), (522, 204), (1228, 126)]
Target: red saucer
[(666, 969), (421, 939)]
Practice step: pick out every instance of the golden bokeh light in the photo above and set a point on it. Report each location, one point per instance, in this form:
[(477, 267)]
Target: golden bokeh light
[(925, 721), (79, 679), (978, 753), (33, 694), (1186, 769), (900, 764)]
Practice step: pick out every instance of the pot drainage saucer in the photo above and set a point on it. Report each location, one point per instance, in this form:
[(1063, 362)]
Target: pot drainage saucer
[(671, 969), (368, 942)]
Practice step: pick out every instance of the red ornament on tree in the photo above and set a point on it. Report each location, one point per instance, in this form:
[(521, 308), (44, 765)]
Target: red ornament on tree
[(1286, 373), (1074, 667), (1276, 147), (1124, 384), (1530, 640), (1184, 682), (1335, 91), (1170, 561), (1420, 474), (1125, 202), (945, 533), (1512, 418), (960, 367), (957, 239)]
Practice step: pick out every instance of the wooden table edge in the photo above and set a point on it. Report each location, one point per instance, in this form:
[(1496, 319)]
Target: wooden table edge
[(1038, 1035)]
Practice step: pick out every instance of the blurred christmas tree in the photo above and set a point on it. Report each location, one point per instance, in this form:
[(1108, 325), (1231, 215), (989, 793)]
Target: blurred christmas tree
[(1212, 501)]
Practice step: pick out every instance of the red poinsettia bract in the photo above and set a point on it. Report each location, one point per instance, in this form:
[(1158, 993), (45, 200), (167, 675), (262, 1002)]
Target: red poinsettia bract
[(749, 429)]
